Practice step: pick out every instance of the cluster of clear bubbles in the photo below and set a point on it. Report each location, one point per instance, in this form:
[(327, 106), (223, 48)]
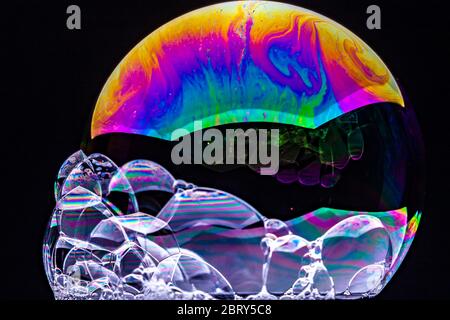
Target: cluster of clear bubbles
[(203, 244)]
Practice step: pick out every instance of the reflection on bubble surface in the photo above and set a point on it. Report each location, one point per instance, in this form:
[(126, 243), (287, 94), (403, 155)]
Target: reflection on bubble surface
[(208, 244)]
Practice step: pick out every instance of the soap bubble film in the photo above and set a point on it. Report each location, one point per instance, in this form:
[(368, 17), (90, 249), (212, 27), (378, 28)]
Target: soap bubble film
[(334, 222), (246, 61), (208, 244)]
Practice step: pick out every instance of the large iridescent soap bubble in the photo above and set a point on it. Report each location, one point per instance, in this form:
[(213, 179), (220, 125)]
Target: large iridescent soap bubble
[(334, 221)]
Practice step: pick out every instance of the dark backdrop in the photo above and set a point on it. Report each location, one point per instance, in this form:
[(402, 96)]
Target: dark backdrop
[(56, 75)]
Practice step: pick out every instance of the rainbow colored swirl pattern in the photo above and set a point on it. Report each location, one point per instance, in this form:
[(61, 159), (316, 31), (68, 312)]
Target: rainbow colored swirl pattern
[(242, 62)]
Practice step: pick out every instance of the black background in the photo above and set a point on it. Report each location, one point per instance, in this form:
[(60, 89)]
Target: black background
[(56, 74)]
